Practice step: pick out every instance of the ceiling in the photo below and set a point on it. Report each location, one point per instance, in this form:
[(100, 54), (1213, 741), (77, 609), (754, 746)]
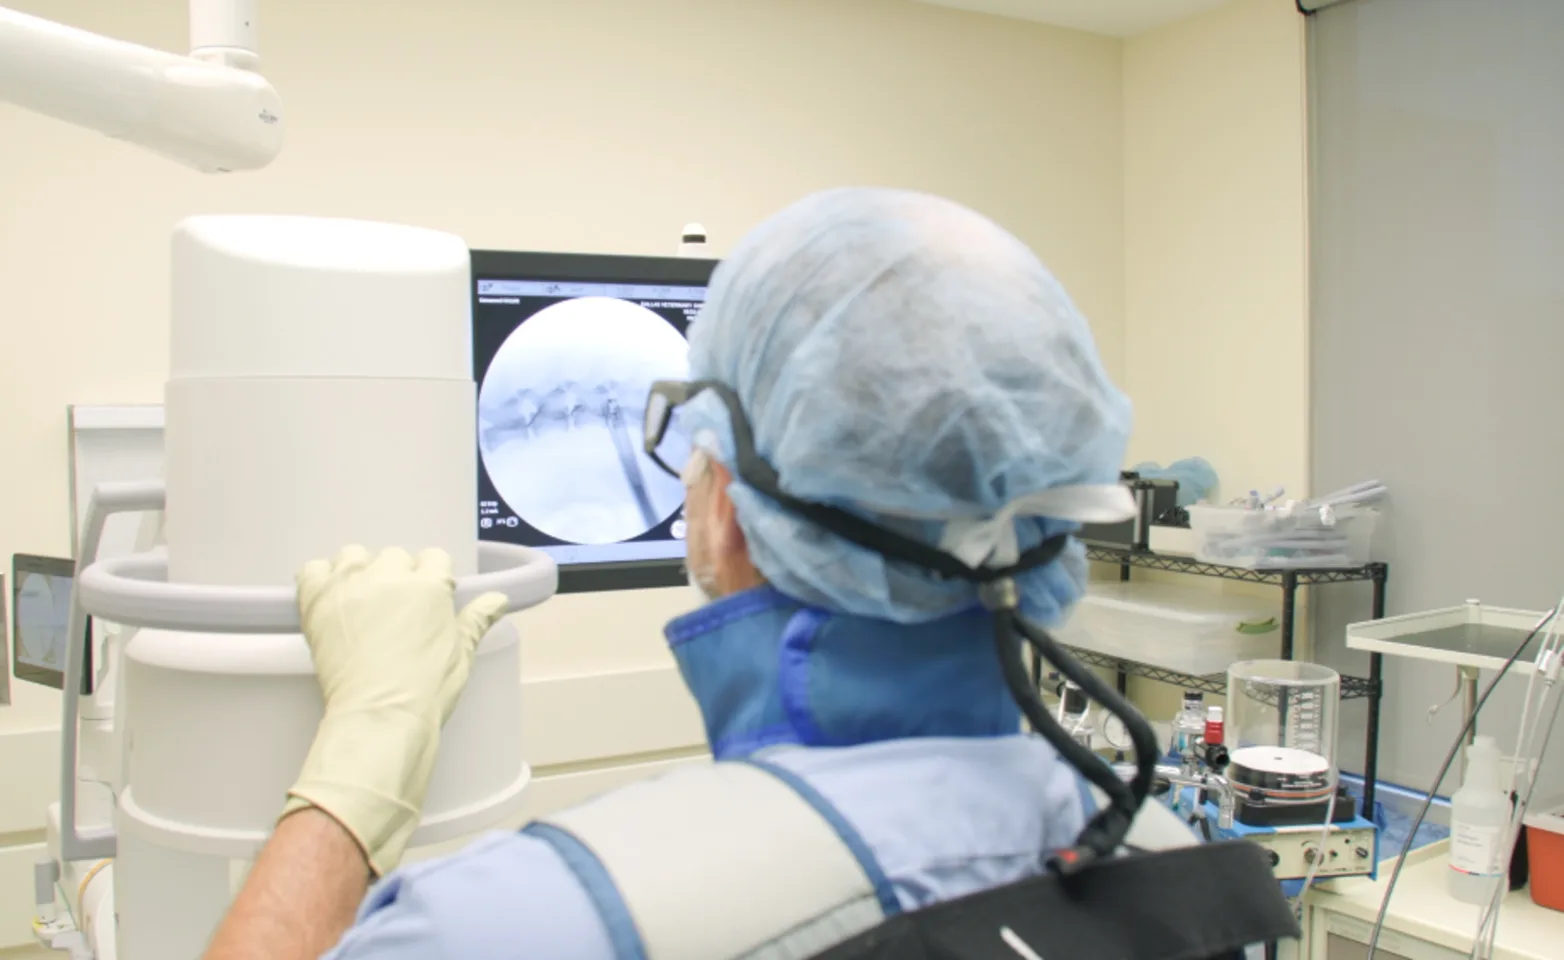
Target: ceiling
[(1116, 18)]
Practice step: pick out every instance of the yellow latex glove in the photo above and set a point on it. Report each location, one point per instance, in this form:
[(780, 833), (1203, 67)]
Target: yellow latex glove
[(392, 656)]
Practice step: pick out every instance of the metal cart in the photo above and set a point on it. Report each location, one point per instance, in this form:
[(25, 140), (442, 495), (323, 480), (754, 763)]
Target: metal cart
[(1370, 687)]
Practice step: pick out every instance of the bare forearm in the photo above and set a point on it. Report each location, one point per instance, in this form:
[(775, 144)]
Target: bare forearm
[(301, 895)]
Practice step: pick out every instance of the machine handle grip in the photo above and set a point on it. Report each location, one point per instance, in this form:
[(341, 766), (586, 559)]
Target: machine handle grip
[(107, 499), (134, 591)]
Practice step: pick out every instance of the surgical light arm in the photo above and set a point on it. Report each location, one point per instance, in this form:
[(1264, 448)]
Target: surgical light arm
[(208, 110)]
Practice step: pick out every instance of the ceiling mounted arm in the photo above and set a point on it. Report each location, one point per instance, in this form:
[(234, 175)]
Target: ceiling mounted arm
[(209, 110)]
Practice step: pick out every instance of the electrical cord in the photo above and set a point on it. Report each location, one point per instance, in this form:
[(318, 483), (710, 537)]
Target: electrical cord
[(1547, 668), (1523, 738), (1444, 768), (1324, 848), (1488, 926)]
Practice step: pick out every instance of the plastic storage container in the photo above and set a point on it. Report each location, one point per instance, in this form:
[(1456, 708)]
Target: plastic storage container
[(1545, 851), (1278, 538), (1189, 630)]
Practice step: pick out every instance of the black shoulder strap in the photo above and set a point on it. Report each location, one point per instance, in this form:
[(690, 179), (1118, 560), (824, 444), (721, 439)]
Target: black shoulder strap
[(1195, 903)]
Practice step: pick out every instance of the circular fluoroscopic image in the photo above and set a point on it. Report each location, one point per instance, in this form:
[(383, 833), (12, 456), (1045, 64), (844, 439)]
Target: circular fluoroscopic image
[(560, 420), (43, 609)]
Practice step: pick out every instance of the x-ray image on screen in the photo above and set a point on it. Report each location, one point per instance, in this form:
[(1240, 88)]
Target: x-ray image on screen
[(41, 618), (559, 420), (43, 613), (563, 371)]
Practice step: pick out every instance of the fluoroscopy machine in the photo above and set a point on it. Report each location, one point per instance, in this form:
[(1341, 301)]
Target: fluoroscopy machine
[(320, 394)]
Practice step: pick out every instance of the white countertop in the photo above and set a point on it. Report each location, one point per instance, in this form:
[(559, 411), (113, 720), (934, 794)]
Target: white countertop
[(1422, 909)]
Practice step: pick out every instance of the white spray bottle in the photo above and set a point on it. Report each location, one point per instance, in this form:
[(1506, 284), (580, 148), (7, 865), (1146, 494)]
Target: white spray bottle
[(1479, 819)]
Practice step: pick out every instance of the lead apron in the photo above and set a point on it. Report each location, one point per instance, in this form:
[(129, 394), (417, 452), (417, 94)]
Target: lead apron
[(741, 860), (732, 861), (1164, 898)]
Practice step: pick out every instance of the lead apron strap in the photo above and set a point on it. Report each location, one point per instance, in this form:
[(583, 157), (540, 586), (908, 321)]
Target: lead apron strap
[(1182, 901), (726, 861)]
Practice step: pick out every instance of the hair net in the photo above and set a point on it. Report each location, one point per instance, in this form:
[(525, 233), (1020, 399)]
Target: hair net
[(902, 357)]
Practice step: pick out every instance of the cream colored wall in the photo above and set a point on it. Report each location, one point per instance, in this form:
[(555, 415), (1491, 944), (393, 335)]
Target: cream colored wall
[(1216, 311), (1216, 335), (597, 125)]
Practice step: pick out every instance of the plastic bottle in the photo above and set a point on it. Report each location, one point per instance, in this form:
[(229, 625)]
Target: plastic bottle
[(1073, 707), (1189, 725), (1479, 818), (1213, 732)]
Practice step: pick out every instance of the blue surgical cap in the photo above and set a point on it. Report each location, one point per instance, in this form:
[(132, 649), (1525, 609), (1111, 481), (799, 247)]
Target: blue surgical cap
[(906, 359)]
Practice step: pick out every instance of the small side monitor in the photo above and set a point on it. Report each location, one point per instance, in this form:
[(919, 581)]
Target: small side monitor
[(40, 620), (565, 349)]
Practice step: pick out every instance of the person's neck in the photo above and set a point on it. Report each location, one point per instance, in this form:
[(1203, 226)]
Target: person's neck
[(735, 578), (767, 670)]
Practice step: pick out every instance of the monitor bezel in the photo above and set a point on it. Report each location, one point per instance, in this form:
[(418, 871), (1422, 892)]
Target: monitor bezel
[(596, 268), (25, 563)]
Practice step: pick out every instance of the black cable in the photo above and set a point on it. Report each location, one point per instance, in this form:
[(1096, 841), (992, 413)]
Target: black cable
[(1444, 768), (1105, 832), (1523, 805), (1142, 738)]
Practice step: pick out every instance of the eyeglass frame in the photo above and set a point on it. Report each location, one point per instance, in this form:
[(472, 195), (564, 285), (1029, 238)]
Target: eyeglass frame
[(675, 394)]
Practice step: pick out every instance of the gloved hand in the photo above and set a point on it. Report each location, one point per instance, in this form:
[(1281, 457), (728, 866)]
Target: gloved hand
[(392, 656)]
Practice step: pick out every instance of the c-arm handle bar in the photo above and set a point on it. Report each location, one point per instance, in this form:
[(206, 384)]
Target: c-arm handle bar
[(106, 500), (134, 591)]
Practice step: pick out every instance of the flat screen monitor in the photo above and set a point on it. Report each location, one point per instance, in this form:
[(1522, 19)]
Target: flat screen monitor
[(40, 620), (565, 347)]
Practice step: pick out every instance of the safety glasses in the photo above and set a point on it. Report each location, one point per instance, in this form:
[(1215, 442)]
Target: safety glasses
[(670, 449)]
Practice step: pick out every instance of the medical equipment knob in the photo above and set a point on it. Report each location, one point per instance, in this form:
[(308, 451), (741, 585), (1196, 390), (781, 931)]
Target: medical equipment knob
[(1216, 756)]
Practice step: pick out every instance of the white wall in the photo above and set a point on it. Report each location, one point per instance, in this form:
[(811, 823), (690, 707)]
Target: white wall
[(1439, 137), (1215, 214), (1216, 309), (598, 125)]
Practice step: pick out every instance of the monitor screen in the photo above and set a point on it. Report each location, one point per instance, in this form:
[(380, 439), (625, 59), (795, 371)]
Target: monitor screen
[(565, 348), (40, 613)]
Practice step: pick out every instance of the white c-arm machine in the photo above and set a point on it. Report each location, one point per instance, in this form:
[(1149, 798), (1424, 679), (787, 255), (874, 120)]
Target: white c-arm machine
[(209, 110), (320, 394)]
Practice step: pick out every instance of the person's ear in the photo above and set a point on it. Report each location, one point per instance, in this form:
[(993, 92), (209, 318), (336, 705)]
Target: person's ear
[(727, 535)]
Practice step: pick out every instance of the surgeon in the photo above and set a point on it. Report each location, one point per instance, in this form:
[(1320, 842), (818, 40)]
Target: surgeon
[(884, 356)]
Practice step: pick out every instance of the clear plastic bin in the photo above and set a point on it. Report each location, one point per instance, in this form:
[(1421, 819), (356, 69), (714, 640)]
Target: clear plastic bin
[(1184, 628), (1274, 539)]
